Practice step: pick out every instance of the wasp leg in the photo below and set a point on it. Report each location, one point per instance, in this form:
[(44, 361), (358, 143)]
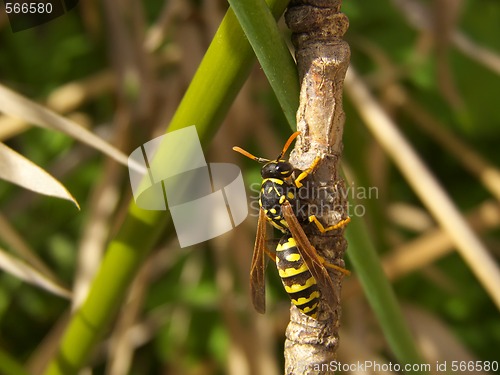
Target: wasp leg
[(334, 266), (271, 255), (305, 173), (322, 229)]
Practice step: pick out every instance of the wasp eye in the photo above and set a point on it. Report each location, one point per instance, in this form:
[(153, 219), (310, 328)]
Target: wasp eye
[(284, 168)]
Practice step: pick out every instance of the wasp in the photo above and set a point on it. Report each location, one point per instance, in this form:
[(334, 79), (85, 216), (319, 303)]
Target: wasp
[(302, 270)]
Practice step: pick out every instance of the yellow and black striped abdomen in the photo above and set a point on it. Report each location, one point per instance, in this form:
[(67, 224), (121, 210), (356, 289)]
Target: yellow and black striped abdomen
[(297, 279)]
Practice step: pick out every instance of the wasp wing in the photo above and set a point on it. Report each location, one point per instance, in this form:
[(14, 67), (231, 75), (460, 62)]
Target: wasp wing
[(257, 270), (313, 261)]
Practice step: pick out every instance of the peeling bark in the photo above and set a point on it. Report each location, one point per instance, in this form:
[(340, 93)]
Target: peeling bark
[(322, 60)]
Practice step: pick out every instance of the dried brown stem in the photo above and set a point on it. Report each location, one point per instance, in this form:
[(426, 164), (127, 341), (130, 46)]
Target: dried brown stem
[(322, 59)]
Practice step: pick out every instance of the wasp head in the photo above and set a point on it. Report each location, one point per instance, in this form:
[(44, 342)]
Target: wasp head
[(277, 169)]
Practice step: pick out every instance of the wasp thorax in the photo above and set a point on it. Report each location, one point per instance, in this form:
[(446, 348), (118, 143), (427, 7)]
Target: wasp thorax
[(277, 169)]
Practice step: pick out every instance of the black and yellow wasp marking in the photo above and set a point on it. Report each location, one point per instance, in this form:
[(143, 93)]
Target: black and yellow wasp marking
[(300, 267)]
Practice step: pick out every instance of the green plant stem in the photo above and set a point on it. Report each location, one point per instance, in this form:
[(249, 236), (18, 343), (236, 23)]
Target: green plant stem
[(272, 52), (380, 294), (217, 81)]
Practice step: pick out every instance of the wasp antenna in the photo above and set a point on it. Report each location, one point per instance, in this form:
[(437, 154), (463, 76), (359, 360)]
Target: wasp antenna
[(287, 144), (249, 155)]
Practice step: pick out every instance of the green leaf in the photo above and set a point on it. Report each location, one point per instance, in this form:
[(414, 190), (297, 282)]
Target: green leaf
[(272, 52)]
